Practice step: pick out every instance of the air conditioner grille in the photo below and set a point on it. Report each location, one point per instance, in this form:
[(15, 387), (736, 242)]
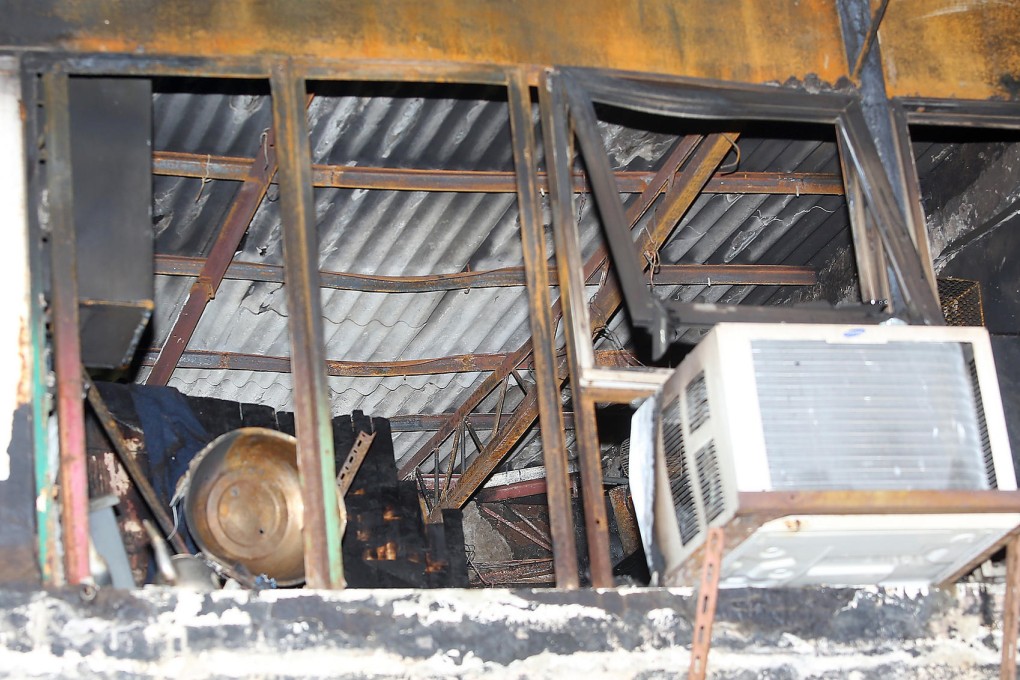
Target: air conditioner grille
[(899, 415), (711, 481), (697, 402), (986, 444), (679, 474)]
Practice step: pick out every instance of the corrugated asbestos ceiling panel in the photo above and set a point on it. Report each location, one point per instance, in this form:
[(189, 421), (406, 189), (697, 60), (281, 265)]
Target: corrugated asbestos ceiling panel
[(417, 233)]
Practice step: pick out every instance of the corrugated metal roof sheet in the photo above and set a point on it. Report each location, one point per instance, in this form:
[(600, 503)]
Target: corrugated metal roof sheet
[(415, 233)]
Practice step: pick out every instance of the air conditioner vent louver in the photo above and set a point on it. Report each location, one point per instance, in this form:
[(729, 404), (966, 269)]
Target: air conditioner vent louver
[(986, 444), (711, 481), (868, 416), (680, 483), (697, 402)]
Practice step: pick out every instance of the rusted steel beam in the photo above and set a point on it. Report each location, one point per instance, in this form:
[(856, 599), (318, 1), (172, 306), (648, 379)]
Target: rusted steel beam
[(312, 413), (232, 168), (258, 173), (655, 36), (543, 334), (665, 275), (73, 473), (459, 363), (597, 260)]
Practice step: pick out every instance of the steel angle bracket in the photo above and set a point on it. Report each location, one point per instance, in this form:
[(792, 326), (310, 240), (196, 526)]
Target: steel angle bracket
[(710, 100)]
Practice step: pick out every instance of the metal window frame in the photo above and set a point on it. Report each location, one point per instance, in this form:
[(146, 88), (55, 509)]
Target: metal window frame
[(573, 93)]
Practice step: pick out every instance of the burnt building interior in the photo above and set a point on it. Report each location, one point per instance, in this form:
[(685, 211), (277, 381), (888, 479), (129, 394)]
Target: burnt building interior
[(512, 358)]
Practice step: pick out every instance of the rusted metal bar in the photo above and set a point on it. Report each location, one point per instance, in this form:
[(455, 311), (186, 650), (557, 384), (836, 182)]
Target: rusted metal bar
[(458, 363), (708, 594), (323, 558), (543, 334), (665, 275), (351, 465), (73, 475), (127, 459), (230, 168), (1011, 610), (779, 503), (253, 188)]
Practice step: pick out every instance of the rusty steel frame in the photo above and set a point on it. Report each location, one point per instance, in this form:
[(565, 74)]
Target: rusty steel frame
[(506, 277), (231, 168), (681, 98), (72, 476), (312, 412)]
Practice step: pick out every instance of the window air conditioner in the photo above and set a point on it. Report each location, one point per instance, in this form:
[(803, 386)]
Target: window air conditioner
[(790, 407)]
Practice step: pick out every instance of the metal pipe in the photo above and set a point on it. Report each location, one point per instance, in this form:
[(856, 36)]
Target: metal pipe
[(323, 558)]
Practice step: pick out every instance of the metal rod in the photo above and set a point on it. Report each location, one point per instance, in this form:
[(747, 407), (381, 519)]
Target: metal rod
[(499, 407), (474, 435), (666, 275), (127, 459), (73, 474), (323, 558), (547, 385), (231, 168)]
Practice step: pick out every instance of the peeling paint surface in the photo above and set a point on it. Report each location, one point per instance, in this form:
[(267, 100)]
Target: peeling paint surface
[(635, 633)]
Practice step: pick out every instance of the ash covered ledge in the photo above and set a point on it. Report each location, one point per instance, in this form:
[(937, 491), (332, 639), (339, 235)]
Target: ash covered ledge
[(639, 633)]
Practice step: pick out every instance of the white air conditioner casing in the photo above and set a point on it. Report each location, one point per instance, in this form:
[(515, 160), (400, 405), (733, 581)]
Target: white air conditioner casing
[(792, 407)]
